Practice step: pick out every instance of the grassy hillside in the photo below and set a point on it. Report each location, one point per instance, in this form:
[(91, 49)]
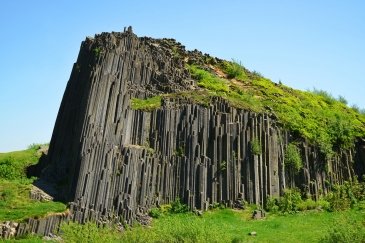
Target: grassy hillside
[(13, 164), (15, 187), (313, 115)]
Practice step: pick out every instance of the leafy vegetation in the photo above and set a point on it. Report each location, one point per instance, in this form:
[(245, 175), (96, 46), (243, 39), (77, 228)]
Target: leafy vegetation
[(347, 195), (255, 147), (288, 203), (175, 207), (146, 104), (97, 51), (292, 157), (15, 203), (342, 197)]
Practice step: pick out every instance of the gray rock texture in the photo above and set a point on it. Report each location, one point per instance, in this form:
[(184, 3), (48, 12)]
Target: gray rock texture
[(41, 226)]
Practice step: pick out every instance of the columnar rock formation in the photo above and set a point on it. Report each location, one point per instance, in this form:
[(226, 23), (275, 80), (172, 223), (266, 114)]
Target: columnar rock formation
[(114, 163)]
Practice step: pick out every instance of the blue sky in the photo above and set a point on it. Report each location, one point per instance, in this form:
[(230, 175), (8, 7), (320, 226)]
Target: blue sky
[(304, 44)]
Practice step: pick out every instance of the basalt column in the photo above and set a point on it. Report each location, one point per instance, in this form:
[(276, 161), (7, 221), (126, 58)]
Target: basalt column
[(113, 162)]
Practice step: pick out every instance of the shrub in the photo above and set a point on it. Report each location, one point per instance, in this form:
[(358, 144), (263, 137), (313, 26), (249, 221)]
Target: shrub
[(292, 157), (97, 51), (34, 146), (180, 151), (272, 204), (337, 201), (255, 147), (342, 100), (178, 207), (166, 208), (234, 69), (323, 204), (356, 108), (217, 205), (289, 202), (308, 204), (155, 213)]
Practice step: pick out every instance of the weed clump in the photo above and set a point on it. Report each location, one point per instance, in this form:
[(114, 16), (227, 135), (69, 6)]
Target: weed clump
[(255, 147), (234, 69), (292, 157)]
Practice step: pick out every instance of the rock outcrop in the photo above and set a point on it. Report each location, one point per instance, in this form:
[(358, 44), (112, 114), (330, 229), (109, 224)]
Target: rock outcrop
[(113, 163), (47, 226)]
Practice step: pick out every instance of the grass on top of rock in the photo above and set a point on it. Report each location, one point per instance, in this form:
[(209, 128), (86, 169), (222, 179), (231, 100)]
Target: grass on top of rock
[(314, 115), (148, 104), (13, 164), (16, 205), (15, 187)]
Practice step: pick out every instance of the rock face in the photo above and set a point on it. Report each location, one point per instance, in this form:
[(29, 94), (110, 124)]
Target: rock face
[(42, 226), (114, 163)]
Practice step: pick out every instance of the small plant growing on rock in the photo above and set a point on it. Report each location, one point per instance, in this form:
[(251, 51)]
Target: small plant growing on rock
[(255, 147), (292, 157), (223, 166), (180, 151), (97, 51)]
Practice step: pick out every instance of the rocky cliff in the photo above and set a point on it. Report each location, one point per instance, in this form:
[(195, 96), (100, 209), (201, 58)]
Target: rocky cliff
[(113, 162)]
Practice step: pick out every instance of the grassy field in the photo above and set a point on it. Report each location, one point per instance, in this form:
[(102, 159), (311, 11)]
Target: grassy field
[(229, 225), (15, 203), (234, 226)]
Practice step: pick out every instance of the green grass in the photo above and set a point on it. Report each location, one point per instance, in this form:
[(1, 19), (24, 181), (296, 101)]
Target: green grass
[(223, 226), (13, 164), (208, 80), (146, 104), (27, 239), (15, 203), (315, 115)]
